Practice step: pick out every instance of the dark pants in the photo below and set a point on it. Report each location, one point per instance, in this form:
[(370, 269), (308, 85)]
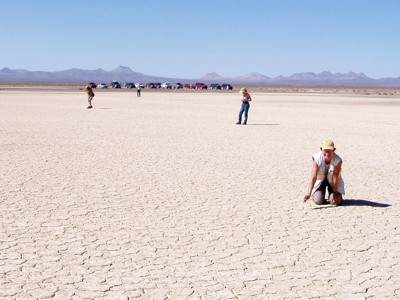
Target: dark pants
[(319, 194), (245, 109)]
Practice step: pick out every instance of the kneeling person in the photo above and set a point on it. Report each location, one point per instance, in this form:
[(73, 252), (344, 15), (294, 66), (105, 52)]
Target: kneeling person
[(326, 175)]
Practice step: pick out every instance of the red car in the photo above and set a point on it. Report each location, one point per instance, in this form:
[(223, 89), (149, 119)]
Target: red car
[(200, 86), (189, 86), (92, 85)]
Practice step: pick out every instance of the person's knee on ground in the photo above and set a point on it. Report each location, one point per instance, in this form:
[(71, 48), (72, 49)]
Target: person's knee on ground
[(319, 197)]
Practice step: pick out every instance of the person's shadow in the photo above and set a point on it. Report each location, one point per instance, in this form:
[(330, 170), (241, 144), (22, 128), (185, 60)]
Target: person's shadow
[(354, 202), (360, 202), (263, 124)]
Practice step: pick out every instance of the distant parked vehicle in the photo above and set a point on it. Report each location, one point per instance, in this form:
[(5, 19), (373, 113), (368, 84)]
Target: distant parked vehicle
[(141, 85), (166, 85), (102, 86), (158, 85), (115, 85), (92, 85), (226, 86), (200, 86), (177, 85), (151, 85), (215, 86), (189, 86), (130, 85)]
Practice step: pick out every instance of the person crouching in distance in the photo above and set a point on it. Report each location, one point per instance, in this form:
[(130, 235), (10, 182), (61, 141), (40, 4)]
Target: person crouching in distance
[(90, 94)]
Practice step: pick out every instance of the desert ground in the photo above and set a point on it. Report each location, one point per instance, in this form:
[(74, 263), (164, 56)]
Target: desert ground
[(164, 197)]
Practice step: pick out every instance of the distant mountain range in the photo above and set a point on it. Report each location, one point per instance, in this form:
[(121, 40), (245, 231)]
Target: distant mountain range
[(125, 74), (309, 78)]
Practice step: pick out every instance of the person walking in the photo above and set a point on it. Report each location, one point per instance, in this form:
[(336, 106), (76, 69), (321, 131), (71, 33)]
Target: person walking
[(246, 98), (138, 90), (90, 94), (326, 175)]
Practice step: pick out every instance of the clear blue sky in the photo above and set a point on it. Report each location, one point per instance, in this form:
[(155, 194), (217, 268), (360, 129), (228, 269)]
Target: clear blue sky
[(187, 39)]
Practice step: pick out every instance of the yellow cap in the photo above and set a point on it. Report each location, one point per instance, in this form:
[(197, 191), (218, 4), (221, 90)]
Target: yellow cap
[(328, 145)]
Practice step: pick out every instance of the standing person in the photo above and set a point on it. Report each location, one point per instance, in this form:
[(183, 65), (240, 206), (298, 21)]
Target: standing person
[(246, 98), (138, 90), (326, 174), (90, 93)]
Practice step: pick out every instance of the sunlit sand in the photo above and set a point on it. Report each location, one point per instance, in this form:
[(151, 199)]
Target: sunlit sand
[(164, 196)]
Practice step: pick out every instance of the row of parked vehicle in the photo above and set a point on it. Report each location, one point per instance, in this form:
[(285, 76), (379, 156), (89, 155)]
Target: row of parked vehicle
[(166, 85)]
